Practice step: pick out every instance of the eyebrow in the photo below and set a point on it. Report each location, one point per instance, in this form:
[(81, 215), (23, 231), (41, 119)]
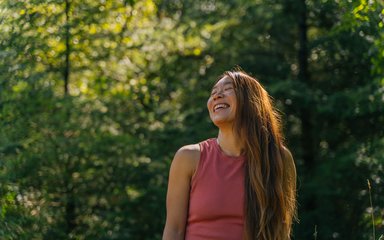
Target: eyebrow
[(226, 83)]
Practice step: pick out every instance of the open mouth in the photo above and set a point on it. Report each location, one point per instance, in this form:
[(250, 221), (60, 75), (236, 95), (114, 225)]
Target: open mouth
[(220, 106)]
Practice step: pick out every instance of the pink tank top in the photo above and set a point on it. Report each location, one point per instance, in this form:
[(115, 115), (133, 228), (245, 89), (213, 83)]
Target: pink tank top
[(217, 196)]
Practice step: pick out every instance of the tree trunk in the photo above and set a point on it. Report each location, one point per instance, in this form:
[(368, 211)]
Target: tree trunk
[(307, 140), (306, 111), (67, 47), (70, 207), (70, 214)]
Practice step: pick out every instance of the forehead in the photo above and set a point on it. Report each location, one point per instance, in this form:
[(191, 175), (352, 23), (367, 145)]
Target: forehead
[(223, 81)]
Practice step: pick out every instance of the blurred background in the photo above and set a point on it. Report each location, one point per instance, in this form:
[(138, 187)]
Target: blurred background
[(96, 96)]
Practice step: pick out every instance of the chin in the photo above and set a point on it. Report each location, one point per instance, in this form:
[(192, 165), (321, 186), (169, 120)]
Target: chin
[(222, 122)]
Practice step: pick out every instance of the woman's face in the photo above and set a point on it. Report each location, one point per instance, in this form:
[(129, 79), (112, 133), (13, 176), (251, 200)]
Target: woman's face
[(222, 102)]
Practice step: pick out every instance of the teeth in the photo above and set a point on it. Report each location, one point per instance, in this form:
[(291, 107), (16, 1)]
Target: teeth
[(221, 105)]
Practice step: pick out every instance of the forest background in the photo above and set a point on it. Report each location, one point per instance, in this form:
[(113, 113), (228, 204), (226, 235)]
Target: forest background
[(97, 96)]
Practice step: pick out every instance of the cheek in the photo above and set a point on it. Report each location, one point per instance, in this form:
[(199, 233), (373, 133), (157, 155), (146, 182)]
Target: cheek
[(209, 103), (234, 101)]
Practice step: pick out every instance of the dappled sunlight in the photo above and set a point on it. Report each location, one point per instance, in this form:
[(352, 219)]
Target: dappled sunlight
[(97, 96)]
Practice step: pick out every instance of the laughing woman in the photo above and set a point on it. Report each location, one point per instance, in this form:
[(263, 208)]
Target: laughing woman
[(240, 185)]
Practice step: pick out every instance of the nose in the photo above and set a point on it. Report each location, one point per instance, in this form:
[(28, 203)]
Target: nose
[(218, 94)]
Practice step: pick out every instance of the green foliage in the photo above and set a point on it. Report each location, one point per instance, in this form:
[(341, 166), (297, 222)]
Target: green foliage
[(96, 96)]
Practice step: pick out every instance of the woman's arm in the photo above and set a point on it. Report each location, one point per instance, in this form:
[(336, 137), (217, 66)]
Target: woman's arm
[(182, 169)]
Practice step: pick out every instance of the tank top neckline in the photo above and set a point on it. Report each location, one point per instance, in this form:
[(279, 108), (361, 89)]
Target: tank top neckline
[(222, 153)]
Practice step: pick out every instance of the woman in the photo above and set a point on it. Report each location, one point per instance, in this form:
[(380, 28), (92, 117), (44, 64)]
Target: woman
[(241, 185)]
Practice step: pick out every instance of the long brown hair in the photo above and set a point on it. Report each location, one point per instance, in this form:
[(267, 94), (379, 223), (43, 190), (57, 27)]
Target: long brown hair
[(270, 176)]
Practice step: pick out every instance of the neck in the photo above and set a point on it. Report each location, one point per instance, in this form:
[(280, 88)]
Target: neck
[(229, 143)]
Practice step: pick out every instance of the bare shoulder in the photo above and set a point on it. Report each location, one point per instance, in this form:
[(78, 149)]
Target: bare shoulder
[(187, 158), (191, 152)]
